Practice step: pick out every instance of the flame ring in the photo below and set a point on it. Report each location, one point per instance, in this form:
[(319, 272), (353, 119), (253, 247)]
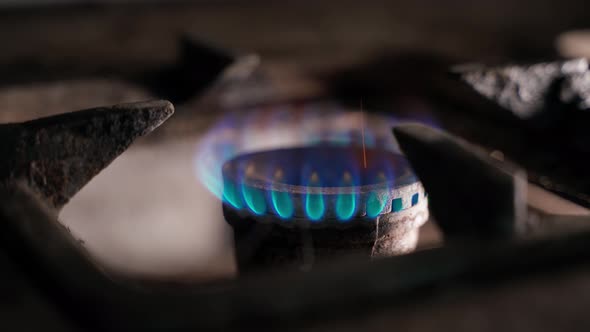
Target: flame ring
[(254, 195)]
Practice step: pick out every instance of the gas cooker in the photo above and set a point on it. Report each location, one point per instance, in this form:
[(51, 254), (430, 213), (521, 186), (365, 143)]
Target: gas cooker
[(496, 151)]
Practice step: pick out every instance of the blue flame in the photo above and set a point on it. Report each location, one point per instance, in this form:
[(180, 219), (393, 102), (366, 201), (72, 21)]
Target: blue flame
[(231, 195), (345, 206), (375, 205), (346, 202), (314, 206), (314, 203), (282, 204), (254, 198), (250, 130)]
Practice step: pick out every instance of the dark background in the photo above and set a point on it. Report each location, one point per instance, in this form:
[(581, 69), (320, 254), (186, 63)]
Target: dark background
[(89, 36)]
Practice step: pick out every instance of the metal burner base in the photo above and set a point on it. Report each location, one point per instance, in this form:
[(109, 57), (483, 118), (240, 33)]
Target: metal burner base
[(270, 243)]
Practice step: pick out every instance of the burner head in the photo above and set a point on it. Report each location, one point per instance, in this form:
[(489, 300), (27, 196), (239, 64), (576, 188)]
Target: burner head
[(320, 185), (325, 192)]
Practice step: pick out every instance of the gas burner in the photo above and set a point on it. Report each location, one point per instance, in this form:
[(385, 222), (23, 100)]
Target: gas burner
[(324, 194), (505, 255)]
